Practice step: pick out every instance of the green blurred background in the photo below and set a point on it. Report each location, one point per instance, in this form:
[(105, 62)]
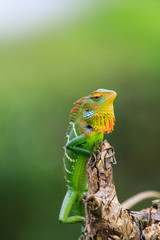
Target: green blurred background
[(113, 45)]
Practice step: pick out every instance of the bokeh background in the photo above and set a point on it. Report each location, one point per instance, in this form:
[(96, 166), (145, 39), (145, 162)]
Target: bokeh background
[(51, 54)]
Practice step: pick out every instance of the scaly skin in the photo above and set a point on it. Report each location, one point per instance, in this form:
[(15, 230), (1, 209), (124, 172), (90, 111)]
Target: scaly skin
[(90, 119)]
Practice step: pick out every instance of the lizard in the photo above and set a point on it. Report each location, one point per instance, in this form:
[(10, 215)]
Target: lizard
[(92, 116), (90, 119)]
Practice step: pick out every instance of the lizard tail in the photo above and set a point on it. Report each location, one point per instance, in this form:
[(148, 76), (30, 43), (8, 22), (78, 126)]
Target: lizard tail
[(130, 202)]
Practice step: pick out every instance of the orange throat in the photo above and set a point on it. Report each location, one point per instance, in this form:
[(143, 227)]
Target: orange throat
[(103, 124)]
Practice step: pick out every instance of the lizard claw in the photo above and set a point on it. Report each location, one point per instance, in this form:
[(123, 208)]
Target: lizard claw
[(94, 161), (95, 155)]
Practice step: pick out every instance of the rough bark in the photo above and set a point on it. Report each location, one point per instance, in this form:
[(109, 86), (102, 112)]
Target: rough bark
[(105, 217)]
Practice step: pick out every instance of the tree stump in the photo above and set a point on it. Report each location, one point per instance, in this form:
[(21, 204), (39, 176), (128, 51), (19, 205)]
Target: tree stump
[(105, 216)]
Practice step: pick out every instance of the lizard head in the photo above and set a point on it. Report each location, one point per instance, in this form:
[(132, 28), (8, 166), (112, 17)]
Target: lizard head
[(98, 110), (95, 112)]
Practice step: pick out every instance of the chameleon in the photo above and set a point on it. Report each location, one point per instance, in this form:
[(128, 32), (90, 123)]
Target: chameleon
[(90, 119)]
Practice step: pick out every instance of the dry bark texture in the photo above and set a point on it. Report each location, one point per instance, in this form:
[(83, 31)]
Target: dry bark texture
[(105, 217)]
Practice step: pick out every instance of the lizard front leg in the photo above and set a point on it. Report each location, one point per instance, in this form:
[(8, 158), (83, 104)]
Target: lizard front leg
[(76, 145)]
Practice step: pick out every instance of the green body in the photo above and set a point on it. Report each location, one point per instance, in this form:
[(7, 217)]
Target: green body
[(82, 137)]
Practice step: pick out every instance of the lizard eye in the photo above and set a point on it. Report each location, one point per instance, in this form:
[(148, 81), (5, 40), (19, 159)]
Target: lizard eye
[(87, 109), (97, 97)]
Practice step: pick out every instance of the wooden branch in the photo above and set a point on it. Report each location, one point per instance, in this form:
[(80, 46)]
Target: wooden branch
[(105, 216)]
